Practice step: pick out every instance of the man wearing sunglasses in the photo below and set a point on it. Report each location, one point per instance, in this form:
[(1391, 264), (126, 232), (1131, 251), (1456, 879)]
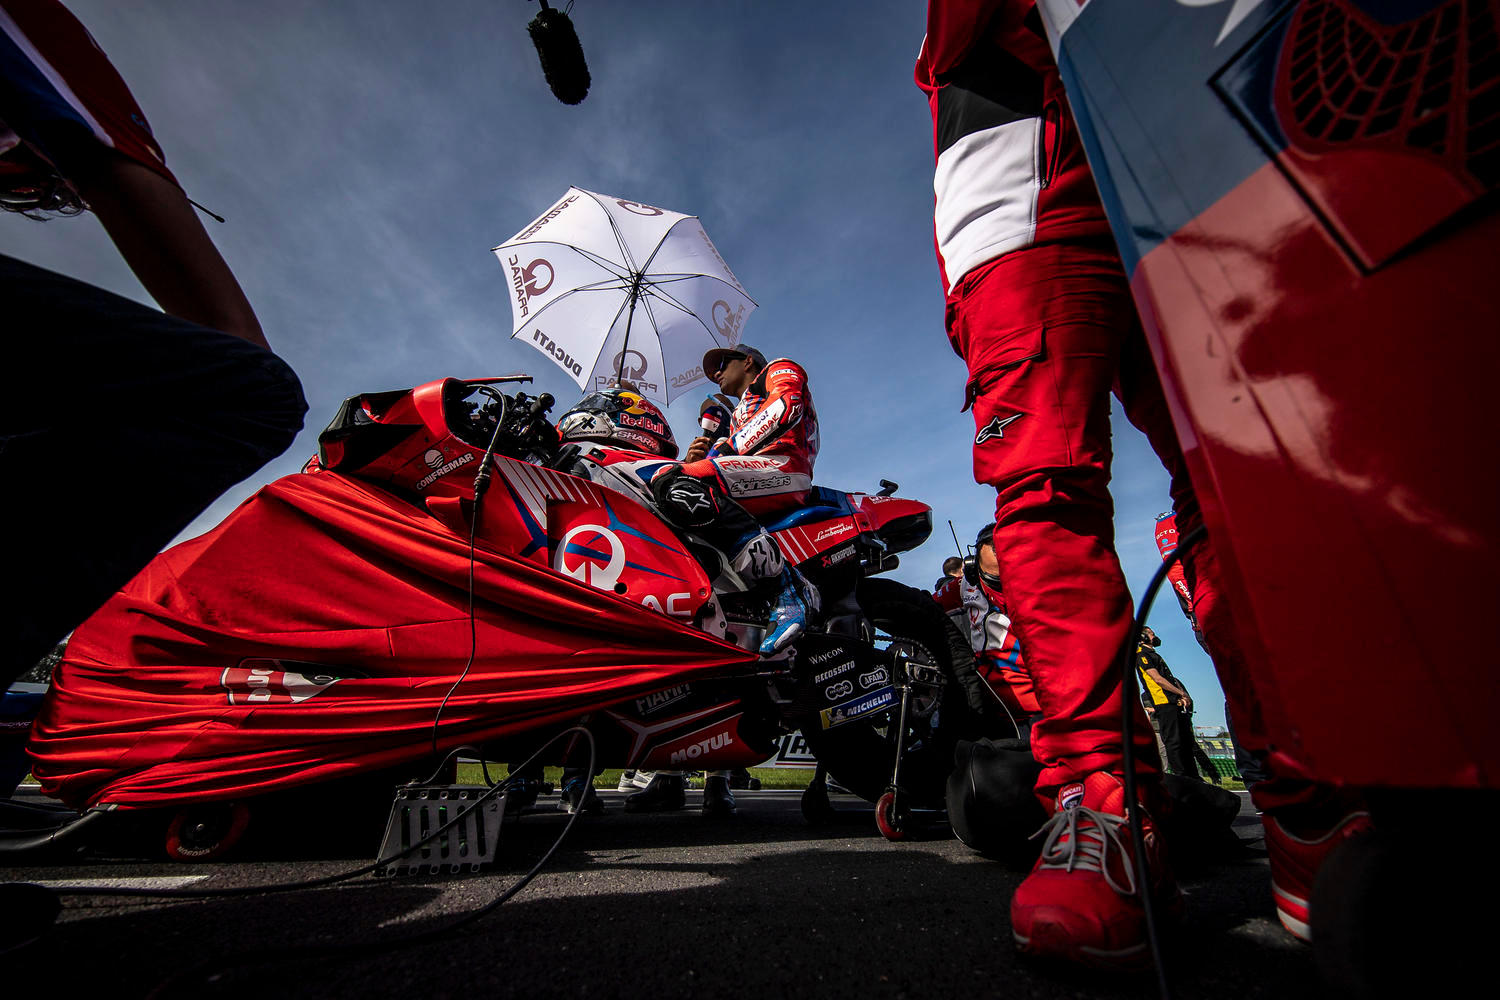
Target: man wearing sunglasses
[(758, 466)]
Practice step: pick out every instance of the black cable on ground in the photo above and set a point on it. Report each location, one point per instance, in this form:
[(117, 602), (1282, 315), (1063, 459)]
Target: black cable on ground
[(1127, 732), (315, 883), (212, 968)]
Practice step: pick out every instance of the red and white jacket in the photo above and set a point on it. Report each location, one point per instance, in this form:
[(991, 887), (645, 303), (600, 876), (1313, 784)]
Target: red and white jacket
[(1010, 171), (997, 652), (775, 416)]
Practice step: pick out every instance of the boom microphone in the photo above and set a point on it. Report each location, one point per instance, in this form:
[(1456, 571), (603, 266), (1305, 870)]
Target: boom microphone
[(561, 54)]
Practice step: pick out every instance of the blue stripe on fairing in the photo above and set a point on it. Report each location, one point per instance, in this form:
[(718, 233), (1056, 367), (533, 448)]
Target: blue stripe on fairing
[(538, 536), (1162, 144)]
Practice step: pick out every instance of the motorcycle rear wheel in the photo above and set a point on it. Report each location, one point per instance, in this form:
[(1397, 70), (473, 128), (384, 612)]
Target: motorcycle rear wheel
[(205, 832), (860, 755)]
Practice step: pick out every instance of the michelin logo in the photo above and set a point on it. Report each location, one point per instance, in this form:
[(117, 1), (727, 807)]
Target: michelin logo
[(861, 706)]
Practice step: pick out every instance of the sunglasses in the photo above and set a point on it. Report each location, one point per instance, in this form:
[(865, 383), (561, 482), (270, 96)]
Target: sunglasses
[(725, 364)]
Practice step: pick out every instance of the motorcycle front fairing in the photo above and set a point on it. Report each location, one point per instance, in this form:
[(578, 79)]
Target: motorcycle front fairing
[(314, 633)]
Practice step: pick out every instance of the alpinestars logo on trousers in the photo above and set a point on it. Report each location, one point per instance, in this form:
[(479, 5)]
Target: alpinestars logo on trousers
[(996, 428)]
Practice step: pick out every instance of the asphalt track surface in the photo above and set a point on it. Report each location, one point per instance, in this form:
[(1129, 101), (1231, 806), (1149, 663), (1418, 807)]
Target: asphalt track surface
[(657, 905)]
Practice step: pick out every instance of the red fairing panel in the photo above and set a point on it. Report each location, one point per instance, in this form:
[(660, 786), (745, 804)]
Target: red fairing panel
[(1337, 425), (187, 686)]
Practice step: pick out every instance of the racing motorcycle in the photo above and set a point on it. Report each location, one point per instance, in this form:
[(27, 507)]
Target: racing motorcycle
[(446, 573)]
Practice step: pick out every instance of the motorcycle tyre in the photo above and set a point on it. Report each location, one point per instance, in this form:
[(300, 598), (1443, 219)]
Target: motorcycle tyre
[(861, 759), (205, 832)]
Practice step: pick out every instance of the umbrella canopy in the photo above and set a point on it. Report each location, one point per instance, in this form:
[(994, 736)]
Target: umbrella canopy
[(610, 289)]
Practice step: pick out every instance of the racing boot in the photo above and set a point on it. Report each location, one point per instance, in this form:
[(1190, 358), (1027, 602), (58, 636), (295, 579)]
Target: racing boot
[(578, 793), (741, 777), (524, 788), (666, 791), (796, 602), (718, 800), (1081, 901)]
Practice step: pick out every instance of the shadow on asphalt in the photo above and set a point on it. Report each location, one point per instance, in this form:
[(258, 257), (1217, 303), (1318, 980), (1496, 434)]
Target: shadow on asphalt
[(665, 906)]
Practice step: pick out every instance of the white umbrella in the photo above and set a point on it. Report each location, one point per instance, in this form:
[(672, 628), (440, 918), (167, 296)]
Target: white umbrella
[(610, 289)]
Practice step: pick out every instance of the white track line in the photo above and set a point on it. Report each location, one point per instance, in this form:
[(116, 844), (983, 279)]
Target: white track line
[(131, 882)]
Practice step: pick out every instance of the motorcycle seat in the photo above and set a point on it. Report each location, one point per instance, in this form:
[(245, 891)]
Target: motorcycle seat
[(822, 505)]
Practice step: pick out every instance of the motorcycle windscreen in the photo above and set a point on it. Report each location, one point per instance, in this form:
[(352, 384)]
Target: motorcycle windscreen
[(313, 635)]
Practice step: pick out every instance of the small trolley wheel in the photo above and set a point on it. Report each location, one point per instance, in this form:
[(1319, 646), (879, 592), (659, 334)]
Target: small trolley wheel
[(207, 831), (891, 821)]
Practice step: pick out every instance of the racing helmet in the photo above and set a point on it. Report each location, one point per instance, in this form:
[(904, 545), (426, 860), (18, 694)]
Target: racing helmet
[(619, 417)]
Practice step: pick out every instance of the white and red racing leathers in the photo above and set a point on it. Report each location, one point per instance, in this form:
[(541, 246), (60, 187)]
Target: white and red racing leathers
[(766, 462), (997, 651)]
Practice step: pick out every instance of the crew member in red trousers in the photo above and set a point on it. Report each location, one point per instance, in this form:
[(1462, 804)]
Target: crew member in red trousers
[(1038, 306)]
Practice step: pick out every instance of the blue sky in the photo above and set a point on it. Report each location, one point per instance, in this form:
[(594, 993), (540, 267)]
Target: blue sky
[(368, 155)]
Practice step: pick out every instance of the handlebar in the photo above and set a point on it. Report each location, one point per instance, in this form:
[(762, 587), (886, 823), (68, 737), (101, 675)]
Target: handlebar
[(516, 423)]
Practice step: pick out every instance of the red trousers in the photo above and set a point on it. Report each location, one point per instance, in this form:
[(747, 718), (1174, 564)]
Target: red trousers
[(1049, 332)]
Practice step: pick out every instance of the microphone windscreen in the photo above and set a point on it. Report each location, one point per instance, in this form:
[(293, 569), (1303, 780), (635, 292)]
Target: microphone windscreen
[(561, 54), (713, 419)]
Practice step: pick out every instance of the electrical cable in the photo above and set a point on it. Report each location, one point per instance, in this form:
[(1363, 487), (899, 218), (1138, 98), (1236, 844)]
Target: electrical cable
[(201, 971), (277, 887), (481, 483), (1126, 659)]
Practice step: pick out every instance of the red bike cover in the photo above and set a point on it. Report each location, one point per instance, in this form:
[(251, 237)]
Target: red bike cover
[(314, 633)]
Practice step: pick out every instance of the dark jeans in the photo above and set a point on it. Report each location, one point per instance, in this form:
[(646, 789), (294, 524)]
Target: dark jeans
[(118, 425)]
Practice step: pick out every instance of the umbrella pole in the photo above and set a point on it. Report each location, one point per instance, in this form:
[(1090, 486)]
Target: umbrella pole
[(635, 293)]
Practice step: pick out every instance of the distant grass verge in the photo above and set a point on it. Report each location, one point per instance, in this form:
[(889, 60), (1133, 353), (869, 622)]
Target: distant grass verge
[(770, 777)]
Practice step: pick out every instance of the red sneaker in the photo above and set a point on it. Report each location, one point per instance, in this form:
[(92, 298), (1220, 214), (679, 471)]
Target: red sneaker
[(1295, 861), (1081, 901)]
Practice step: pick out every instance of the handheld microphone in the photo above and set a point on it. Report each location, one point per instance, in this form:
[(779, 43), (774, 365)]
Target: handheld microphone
[(713, 418), (561, 53)]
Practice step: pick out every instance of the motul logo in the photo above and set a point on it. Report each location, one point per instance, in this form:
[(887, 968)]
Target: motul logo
[(718, 741)]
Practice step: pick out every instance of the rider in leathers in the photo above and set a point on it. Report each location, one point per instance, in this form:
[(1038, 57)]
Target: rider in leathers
[(761, 467)]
